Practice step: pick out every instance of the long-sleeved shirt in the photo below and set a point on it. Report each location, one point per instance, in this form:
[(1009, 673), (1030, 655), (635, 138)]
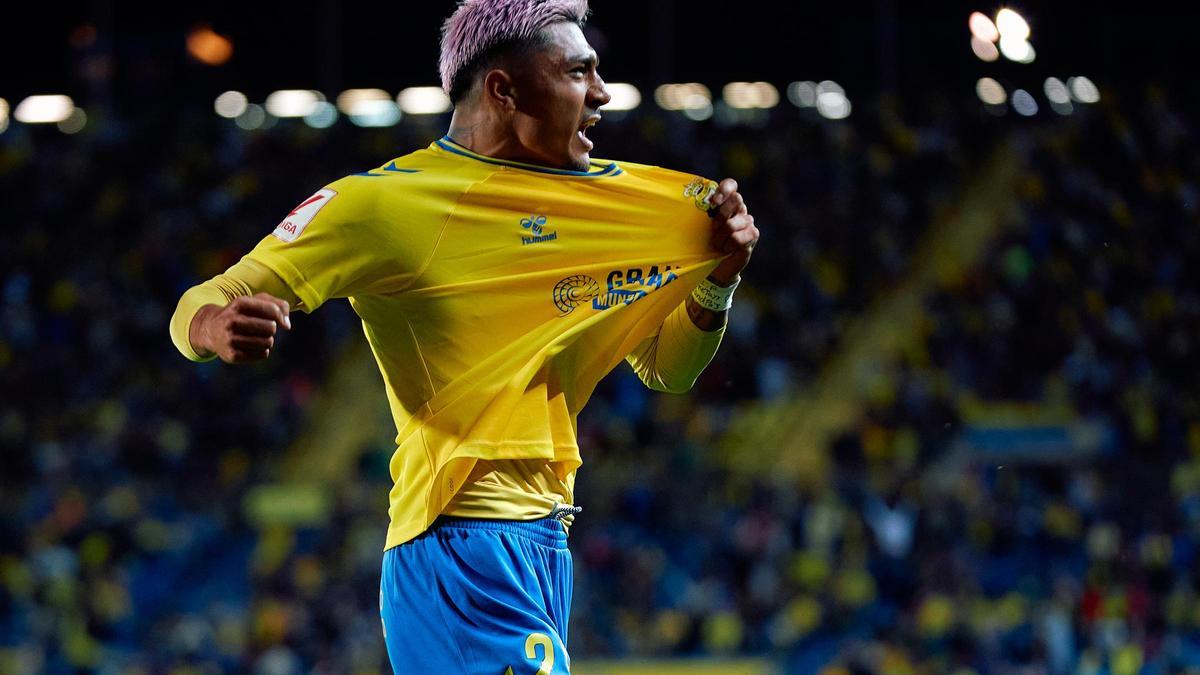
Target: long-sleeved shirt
[(494, 296)]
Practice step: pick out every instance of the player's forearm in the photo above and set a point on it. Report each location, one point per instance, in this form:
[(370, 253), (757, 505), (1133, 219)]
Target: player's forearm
[(705, 319), (186, 329), (683, 348), (245, 278)]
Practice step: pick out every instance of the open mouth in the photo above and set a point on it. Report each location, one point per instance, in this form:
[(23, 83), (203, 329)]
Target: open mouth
[(583, 128)]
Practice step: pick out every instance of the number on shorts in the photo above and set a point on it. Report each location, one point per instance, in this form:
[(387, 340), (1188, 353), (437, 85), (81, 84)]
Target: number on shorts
[(531, 644)]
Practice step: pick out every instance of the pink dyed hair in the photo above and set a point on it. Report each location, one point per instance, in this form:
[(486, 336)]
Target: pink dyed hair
[(478, 26)]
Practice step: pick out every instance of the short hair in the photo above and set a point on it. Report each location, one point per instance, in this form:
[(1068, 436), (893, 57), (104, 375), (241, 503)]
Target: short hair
[(479, 30)]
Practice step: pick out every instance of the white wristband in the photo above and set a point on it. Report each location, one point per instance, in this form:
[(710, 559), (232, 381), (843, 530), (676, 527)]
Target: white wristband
[(713, 297)]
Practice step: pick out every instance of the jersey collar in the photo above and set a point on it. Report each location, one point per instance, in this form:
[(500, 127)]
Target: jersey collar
[(598, 168)]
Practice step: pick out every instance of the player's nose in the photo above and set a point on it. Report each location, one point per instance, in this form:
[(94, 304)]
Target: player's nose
[(598, 93)]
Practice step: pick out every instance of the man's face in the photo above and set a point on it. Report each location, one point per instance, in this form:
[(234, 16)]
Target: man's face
[(558, 91)]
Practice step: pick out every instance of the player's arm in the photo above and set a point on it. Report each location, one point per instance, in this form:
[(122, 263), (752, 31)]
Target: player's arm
[(234, 315), (332, 245), (674, 357), (687, 340), (307, 259), (735, 235)]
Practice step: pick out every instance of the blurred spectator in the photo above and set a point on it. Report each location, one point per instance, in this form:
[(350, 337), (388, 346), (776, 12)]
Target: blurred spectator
[(123, 469)]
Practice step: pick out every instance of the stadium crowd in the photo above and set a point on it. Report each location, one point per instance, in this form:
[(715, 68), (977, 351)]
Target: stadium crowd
[(125, 547)]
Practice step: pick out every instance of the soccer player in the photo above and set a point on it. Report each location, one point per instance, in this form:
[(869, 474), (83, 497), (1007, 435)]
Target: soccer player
[(499, 273)]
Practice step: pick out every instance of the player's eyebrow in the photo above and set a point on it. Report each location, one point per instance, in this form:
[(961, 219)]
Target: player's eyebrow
[(590, 59)]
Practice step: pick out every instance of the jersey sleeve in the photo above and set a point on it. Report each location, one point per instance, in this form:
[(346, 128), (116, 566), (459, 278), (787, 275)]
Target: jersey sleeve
[(245, 278), (673, 357), (342, 241)]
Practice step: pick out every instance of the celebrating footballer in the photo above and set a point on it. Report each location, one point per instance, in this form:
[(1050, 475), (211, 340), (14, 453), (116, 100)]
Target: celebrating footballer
[(499, 273)]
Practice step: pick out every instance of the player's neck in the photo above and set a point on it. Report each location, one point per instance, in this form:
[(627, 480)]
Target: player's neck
[(490, 139)]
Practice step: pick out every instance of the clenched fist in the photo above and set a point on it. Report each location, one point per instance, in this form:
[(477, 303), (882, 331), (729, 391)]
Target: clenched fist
[(243, 330), (733, 232)]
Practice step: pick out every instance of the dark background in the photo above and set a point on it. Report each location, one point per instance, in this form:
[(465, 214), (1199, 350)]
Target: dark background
[(865, 45)]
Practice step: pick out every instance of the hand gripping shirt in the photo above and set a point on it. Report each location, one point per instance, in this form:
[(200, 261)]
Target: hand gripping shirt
[(494, 295)]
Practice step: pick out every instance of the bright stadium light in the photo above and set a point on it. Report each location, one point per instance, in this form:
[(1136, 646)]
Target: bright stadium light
[(230, 104), (623, 96), (1056, 91), (45, 109), (1062, 108), (424, 101), (990, 91), (323, 115), (3, 115), (209, 47), (369, 107), (687, 96), (74, 122), (293, 102), (667, 96), (1083, 89), (1023, 103), (833, 105), (749, 95), (802, 94), (986, 51), (348, 101), (375, 113), (982, 27), (1017, 49), (829, 86), (252, 117), (697, 107), (1011, 25), (768, 95)]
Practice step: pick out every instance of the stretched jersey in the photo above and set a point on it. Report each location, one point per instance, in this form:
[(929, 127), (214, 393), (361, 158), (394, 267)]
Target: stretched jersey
[(494, 295)]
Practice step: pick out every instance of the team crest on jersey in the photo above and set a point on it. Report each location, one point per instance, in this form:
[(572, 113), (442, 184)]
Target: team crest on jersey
[(534, 230), (700, 191), (622, 287), (293, 225)]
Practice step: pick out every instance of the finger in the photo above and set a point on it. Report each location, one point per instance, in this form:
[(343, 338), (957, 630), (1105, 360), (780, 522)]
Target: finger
[(252, 326), (720, 237), (251, 343), (733, 205), (723, 236), (727, 187), (745, 238), (239, 356), (724, 189), (263, 309), (738, 222), (282, 304)]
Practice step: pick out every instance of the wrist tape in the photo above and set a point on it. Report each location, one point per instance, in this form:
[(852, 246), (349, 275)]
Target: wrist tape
[(713, 297)]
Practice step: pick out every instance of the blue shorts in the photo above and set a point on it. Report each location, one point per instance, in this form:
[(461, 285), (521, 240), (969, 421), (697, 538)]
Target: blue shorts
[(479, 596)]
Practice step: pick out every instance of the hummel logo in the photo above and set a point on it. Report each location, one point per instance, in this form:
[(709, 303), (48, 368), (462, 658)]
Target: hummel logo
[(536, 224)]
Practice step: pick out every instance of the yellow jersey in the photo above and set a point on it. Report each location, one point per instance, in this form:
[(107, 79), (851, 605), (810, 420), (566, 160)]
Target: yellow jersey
[(494, 295)]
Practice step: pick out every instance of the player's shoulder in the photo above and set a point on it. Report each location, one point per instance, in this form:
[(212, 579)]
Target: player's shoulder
[(652, 172), (661, 180), (422, 170)]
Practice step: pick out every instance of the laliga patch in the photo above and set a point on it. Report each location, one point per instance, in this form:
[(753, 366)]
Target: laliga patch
[(293, 225)]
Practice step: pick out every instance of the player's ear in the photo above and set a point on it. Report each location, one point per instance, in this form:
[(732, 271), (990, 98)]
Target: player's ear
[(498, 87)]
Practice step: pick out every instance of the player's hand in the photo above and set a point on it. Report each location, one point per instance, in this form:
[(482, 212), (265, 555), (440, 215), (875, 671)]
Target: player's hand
[(733, 232), (242, 331)]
